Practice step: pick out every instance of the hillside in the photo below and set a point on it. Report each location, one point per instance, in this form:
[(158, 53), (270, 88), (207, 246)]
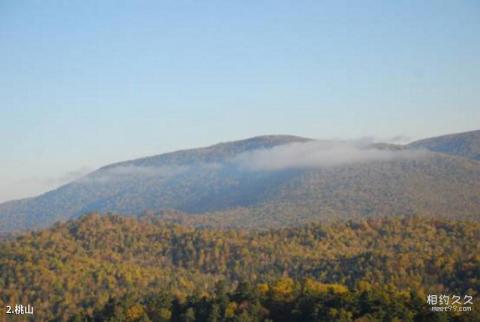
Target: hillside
[(266, 182), (465, 144), (109, 267)]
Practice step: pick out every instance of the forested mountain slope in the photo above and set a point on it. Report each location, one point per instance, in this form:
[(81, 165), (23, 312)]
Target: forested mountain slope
[(270, 181), (465, 144), (376, 267)]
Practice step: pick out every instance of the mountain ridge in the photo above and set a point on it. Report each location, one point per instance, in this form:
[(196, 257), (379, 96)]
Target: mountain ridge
[(256, 142), (273, 179), (464, 144)]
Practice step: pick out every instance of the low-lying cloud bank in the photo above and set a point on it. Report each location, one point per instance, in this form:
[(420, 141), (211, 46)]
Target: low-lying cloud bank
[(307, 155), (318, 154)]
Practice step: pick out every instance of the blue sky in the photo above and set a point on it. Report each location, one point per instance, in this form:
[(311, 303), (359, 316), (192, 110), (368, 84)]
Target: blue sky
[(86, 83)]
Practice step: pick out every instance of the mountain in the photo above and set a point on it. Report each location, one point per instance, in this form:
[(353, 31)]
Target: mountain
[(264, 182), (465, 144)]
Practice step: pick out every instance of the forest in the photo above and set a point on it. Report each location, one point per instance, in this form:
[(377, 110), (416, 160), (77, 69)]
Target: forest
[(115, 268)]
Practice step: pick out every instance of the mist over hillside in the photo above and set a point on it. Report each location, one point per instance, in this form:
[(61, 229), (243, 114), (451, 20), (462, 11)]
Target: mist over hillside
[(271, 181)]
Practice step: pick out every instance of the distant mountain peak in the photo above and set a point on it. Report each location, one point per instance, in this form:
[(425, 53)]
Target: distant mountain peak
[(213, 153), (267, 180), (272, 139), (465, 144)]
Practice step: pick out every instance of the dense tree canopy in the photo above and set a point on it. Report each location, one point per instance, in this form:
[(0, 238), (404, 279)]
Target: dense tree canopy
[(126, 269)]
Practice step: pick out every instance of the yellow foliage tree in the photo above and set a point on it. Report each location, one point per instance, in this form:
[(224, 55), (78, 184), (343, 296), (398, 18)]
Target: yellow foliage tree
[(263, 288), (230, 310), (134, 313), (313, 287), (283, 289)]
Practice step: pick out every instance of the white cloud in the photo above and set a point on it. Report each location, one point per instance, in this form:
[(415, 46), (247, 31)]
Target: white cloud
[(318, 154)]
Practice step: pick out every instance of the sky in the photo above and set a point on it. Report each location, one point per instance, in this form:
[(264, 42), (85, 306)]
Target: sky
[(87, 83)]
